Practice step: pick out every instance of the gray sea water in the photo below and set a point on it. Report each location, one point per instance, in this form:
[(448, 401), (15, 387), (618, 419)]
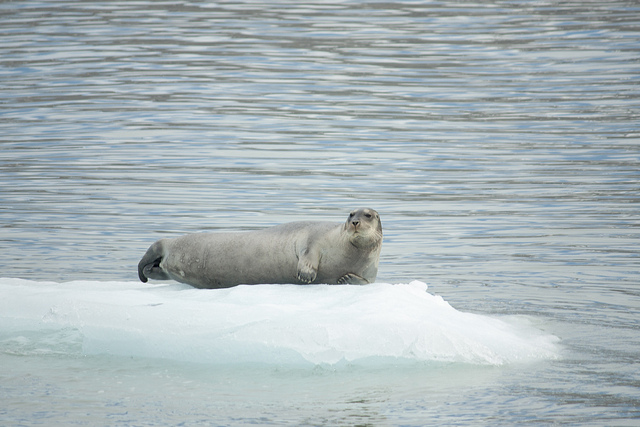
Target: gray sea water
[(500, 142)]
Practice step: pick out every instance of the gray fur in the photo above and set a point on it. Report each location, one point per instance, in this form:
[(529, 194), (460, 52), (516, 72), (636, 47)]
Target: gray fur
[(297, 252)]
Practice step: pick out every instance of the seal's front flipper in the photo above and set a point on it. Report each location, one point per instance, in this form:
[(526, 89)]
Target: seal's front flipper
[(306, 272), (307, 266), (352, 279)]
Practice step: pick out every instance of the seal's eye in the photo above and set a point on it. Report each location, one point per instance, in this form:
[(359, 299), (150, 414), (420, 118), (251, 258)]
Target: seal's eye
[(367, 215), (351, 214)]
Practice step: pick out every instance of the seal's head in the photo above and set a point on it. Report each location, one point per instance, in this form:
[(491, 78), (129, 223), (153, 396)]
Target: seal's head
[(364, 228)]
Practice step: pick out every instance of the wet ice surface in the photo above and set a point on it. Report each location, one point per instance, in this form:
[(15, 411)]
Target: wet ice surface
[(271, 324)]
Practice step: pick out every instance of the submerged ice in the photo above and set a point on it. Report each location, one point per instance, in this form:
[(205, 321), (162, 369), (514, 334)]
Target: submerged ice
[(283, 324)]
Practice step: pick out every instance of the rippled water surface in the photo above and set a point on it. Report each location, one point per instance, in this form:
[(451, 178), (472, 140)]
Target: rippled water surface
[(498, 140)]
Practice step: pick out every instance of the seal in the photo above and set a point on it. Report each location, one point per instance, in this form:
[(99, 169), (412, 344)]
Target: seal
[(302, 252)]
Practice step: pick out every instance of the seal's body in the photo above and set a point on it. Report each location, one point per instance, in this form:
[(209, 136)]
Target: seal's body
[(298, 252)]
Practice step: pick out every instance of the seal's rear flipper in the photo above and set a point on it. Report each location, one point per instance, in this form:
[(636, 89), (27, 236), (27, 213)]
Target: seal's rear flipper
[(149, 265)]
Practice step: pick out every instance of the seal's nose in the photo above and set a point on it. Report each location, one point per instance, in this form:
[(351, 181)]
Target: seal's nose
[(355, 223)]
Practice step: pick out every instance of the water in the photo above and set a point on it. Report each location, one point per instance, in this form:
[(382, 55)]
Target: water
[(498, 140)]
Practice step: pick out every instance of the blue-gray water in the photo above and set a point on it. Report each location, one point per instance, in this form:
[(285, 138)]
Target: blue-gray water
[(500, 142)]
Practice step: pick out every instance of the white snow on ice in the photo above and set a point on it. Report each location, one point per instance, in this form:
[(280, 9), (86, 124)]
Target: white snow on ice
[(281, 324)]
